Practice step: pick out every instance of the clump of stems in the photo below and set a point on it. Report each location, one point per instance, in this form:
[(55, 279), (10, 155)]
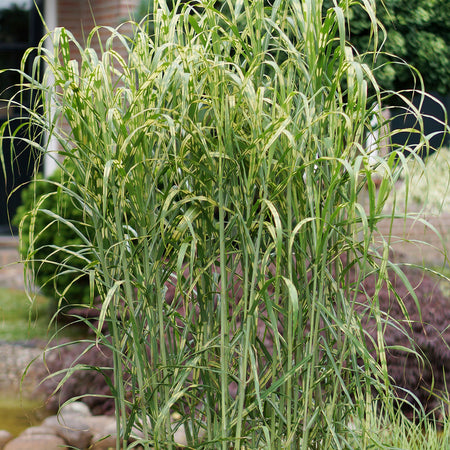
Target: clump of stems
[(225, 224)]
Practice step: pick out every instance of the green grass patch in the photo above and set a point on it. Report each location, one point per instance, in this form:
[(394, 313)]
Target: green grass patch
[(22, 319)]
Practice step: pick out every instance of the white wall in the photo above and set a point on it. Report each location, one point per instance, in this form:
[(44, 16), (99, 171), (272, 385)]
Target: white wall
[(51, 20)]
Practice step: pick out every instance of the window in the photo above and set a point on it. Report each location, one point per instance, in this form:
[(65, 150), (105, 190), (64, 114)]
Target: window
[(20, 28)]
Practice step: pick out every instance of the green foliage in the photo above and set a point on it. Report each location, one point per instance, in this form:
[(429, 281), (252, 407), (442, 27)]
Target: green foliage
[(57, 272), (398, 432), (417, 32), (144, 8), (219, 167)]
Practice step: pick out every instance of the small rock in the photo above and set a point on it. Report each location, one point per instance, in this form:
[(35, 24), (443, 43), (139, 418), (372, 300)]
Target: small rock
[(5, 436), (38, 430), (74, 430), (104, 429), (44, 442), (77, 408), (102, 424), (102, 442), (179, 436)]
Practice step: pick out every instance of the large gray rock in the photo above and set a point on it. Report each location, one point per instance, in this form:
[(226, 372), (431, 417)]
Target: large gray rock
[(33, 442)]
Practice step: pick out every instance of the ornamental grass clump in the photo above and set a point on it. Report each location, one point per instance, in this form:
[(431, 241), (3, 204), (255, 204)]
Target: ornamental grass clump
[(222, 158)]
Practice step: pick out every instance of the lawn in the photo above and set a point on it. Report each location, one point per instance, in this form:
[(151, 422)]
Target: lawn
[(23, 320)]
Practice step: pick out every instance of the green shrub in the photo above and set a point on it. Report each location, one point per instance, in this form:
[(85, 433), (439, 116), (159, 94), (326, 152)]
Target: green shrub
[(59, 274)]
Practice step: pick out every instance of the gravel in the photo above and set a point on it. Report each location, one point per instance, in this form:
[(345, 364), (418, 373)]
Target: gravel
[(15, 359)]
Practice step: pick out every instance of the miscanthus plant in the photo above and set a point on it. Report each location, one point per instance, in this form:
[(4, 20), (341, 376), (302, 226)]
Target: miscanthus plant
[(223, 159)]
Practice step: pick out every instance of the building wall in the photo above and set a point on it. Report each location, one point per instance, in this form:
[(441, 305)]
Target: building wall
[(80, 16)]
